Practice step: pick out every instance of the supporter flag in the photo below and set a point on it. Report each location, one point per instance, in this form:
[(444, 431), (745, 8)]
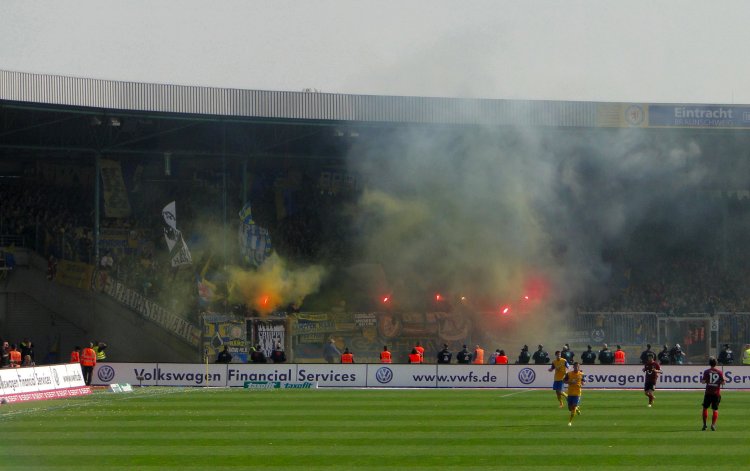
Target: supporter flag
[(114, 192), (206, 288), (178, 249), (255, 241)]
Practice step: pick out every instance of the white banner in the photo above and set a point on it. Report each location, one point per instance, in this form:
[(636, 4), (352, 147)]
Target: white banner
[(392, 376), (628, 376), (42, 382), (152, 311)]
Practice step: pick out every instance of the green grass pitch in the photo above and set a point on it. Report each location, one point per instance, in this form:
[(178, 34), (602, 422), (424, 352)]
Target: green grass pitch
[(327, 429)]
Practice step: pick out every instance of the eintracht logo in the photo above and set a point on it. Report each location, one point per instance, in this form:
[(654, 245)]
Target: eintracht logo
[(384, 375), (106, 373), (526, 376), (634, 115)]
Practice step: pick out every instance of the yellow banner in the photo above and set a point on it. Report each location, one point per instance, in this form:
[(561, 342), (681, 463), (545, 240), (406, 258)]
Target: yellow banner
[(75, 274), (116, 203)]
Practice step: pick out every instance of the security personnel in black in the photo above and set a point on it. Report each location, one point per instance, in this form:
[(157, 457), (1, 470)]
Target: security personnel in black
[(525, 357), (444, 356), (606, 357), (224, 356), (647, 353), (540, 357), (676, 355), (588, 357), (567, 354), (663, 357), (464, 357), (726, 357)]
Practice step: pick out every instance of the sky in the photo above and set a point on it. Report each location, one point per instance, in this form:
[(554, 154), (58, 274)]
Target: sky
[(687, 51)]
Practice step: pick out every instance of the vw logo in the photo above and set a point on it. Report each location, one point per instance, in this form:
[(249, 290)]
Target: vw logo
[(106, 373), (384, 375), (526, 376)]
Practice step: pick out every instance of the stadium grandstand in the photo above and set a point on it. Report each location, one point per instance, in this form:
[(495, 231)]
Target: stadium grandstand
[(169, 221)]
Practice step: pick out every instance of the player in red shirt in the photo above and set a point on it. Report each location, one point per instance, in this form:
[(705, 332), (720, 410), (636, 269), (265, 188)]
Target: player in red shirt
[(652, 370), (714, 380)]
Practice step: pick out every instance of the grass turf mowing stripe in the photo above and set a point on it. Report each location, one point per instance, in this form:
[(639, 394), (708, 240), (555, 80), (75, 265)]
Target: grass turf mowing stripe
[(163, 428)]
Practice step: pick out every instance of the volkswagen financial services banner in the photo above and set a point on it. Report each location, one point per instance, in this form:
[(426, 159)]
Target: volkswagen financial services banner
[(42, 382), (400, 376), (628, 376)]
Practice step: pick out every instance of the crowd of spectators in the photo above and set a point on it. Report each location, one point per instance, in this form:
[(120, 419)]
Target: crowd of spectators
[(313, 223), (688, 285)]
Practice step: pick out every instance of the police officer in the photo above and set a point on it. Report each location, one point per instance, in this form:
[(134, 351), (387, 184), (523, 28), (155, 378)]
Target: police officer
[(645, 354), (606, 357), (676, 355), (277, 354), (567, 354), (664, 356), (224, 356), (444, 356), (726, 357), (588, 357), (524, 358), (540, 357), (464, 357)]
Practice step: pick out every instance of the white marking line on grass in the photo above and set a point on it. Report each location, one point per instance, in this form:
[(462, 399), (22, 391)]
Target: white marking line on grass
[(517, 392), (96, 399)]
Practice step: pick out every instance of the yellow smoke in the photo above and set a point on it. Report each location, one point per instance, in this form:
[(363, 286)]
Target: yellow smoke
[(273, 285)]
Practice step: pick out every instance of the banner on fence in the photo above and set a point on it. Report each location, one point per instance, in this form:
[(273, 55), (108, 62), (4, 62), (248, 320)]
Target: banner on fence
[(403, 376)]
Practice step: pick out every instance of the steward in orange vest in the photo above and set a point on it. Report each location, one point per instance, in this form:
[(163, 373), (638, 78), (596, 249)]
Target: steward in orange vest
[(619, 356), (15, 356), (478, 355), (414, 356), (75, 355), (385, 355), (88, 357), (347, 357), (88, 361), (501, 359), (420, 349)]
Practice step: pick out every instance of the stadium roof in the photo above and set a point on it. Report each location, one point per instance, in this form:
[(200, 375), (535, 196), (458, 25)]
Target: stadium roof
[(333, 107), (62, 116), (305, 105)]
